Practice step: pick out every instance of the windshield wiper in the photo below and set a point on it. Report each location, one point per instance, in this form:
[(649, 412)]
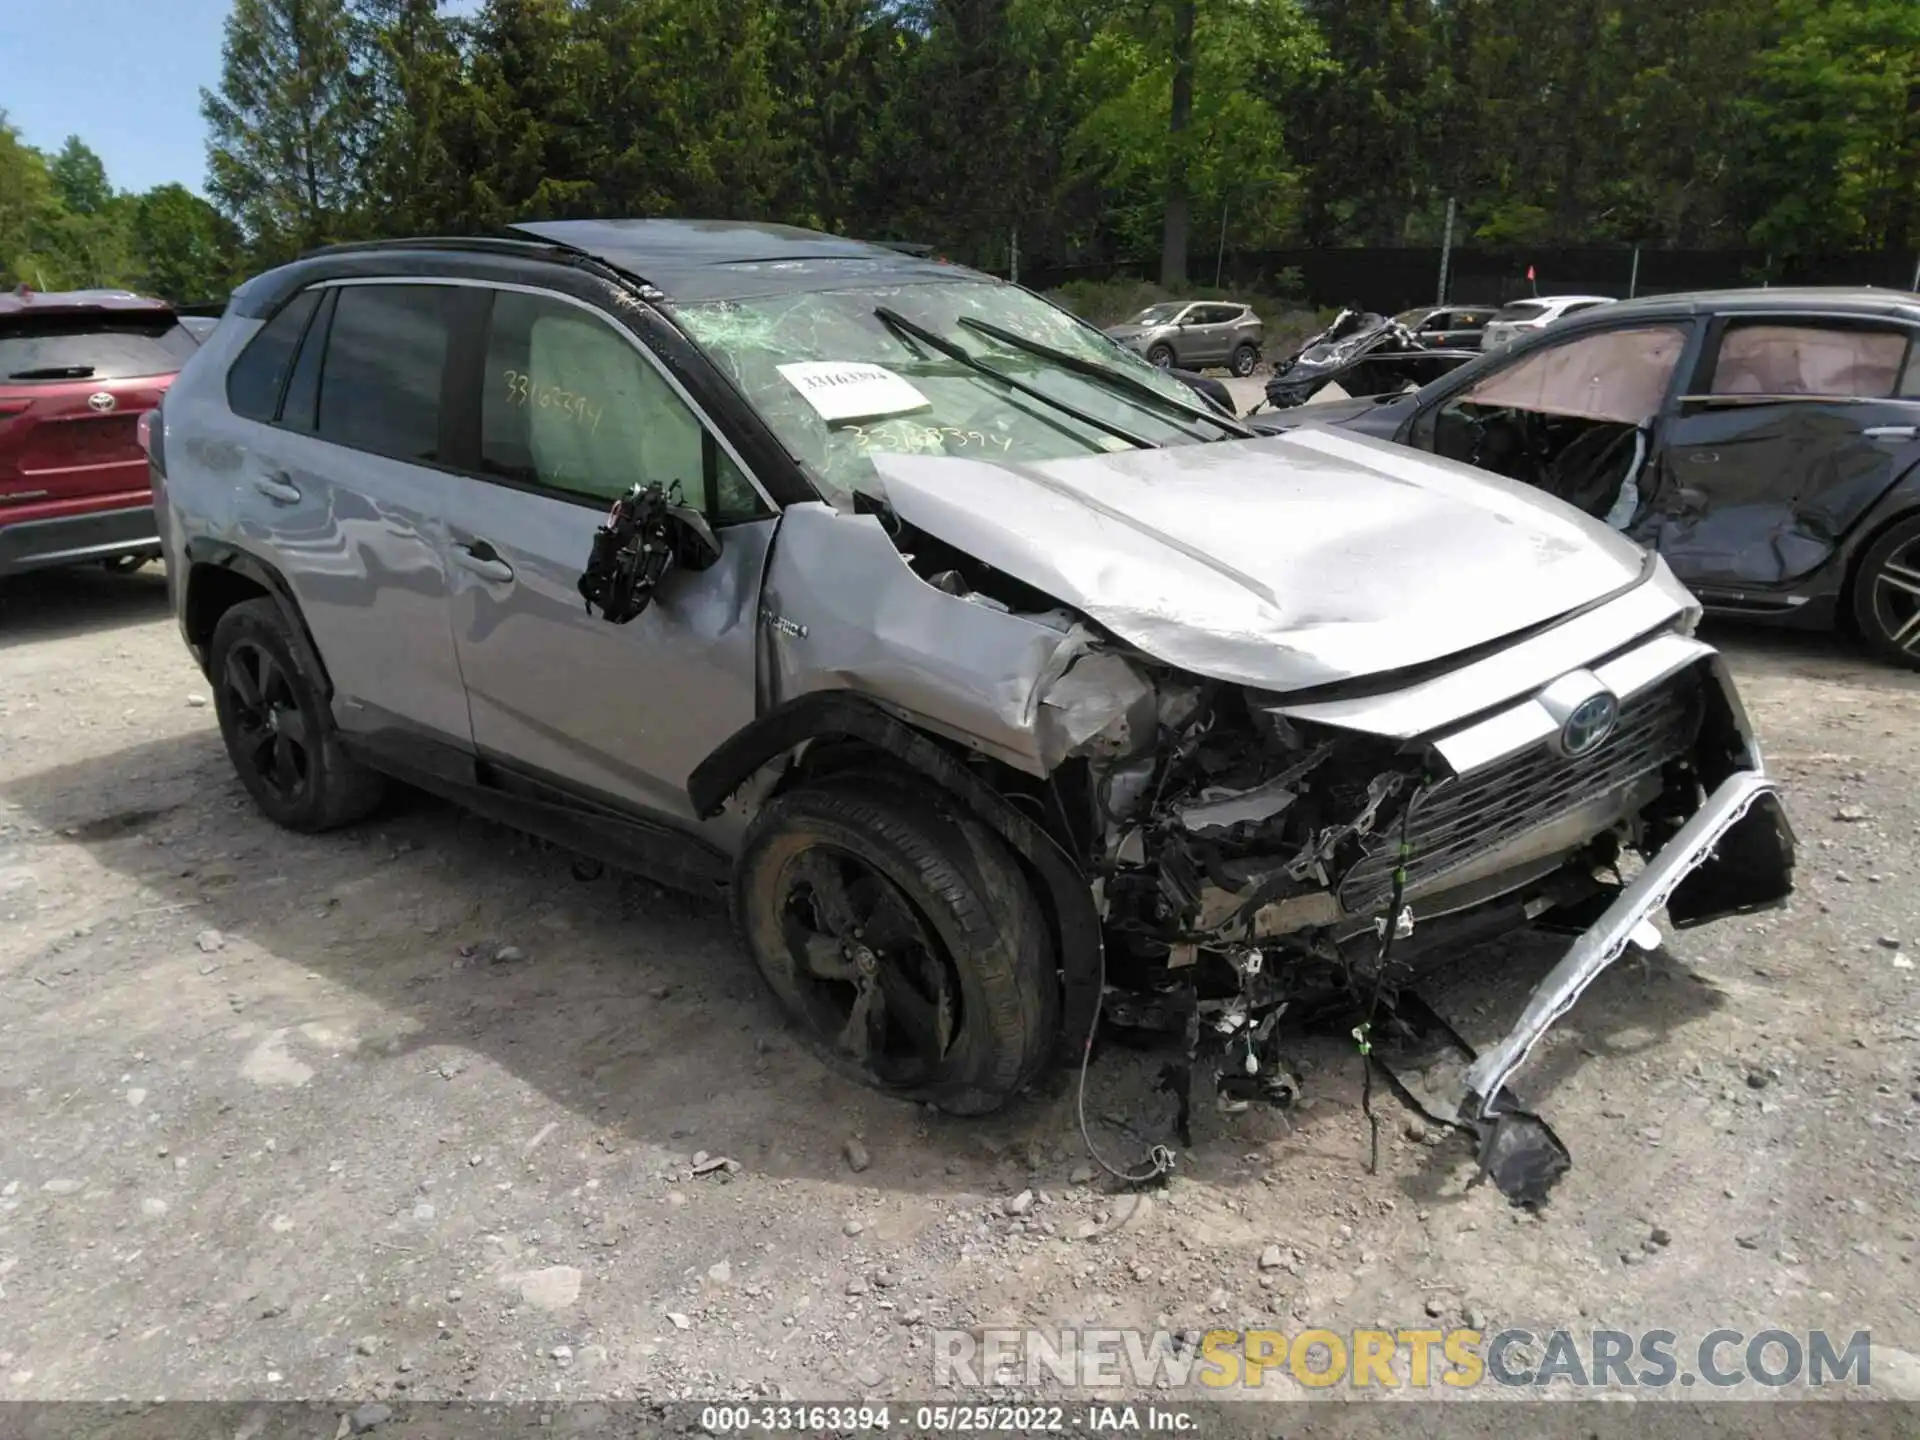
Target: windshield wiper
[(54, 372), (1094, 370), (893, 319)]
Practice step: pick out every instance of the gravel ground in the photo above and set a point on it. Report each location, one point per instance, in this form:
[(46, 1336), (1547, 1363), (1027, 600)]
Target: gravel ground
[(409, 1111)]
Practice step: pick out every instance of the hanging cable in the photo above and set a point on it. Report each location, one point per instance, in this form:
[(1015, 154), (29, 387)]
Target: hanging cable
[(1363, 1032)]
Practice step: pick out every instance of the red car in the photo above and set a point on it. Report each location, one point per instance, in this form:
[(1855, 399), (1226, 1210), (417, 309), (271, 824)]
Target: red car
[(77, 373)]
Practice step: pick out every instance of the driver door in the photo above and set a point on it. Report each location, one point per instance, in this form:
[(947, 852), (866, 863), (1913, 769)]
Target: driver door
[(573, 411), (1550, 414)]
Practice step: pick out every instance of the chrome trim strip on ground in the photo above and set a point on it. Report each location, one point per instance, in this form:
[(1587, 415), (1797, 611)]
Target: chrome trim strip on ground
[(1607, 939)]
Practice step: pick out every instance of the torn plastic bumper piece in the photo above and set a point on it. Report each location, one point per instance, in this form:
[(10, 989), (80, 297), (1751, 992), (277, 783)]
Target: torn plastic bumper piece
[(1741, 828)]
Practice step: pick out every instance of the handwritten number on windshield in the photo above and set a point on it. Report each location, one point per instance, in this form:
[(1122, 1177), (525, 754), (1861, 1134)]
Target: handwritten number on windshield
[(948, 435)]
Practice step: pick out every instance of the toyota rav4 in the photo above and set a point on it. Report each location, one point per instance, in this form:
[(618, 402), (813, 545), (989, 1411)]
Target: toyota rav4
[(994, 675)]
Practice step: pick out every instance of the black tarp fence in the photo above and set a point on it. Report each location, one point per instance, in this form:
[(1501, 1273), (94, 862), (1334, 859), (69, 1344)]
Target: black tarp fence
[(1397, 278)]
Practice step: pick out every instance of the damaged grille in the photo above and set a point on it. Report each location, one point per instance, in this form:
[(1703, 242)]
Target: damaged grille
[(1463, 819)]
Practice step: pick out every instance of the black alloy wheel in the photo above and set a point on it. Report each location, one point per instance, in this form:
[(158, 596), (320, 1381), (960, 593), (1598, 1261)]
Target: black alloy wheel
[(274, 741), (873, 980)]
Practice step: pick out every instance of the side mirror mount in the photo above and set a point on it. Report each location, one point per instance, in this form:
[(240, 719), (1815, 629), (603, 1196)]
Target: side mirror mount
[(696, 546), (648, 532)]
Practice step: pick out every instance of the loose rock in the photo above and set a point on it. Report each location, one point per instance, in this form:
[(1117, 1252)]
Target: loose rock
[(209, 941), (1018, 1204), (857, 1157), (370, 1416), (1271, 1258), (508, 955)]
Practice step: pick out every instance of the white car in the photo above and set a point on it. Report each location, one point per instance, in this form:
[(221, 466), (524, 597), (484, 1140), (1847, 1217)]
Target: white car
[(1523, 317)]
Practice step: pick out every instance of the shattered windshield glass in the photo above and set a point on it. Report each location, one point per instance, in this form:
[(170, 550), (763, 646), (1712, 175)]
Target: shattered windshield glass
[(840, 385)]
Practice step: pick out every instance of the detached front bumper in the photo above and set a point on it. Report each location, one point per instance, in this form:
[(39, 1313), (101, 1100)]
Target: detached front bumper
[(1735, 855)]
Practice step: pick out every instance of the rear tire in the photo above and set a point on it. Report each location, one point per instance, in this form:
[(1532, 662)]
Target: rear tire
[(277, 728), (1886, 594), (844, 891), (1244, 359)]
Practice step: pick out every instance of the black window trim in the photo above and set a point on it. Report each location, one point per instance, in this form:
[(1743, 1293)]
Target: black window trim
[(314, 332), (293, 359), (462, 407)]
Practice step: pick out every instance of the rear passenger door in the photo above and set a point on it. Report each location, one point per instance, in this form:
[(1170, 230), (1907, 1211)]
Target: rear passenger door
[(572, 411), (342, 488), (1793, 427), (1209, 335)]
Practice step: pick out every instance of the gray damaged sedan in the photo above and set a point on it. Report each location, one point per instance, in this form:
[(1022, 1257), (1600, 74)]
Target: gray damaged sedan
[(999, 681)]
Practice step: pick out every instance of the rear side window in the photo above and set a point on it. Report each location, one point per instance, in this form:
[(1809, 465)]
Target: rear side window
[(1809, 360), (260, 374), (386, 357), (90, 347), (1521, 310)]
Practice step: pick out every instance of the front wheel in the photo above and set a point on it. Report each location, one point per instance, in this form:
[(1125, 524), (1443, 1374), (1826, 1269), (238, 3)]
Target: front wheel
[(1244, 359), (1886, 594), (1161, 357), (903, 940)]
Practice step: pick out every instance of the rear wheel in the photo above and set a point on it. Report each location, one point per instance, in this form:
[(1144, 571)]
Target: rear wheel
[(276, 726), (1245, 357), (125, 564), (903, 940), (1886, 594), (1161, 356)]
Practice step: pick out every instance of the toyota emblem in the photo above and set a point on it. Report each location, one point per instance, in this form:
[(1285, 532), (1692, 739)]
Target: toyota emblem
[(101, 400), (1589, 724), (1583, 712)]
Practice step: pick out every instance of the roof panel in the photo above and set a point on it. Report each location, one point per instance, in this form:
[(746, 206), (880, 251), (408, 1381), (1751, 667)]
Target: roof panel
[(693, 260)]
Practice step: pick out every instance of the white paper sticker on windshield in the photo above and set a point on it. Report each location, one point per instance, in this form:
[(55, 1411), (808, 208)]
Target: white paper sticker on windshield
[(848, 390)]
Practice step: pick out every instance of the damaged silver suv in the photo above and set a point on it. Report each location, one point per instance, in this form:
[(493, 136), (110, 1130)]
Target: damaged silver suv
[(994, 676)]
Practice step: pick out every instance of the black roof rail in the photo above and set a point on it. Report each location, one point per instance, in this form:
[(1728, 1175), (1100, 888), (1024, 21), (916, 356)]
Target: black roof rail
[(484, 244)]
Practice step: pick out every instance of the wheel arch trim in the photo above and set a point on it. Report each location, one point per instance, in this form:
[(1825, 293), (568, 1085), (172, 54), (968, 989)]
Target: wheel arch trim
[(830, 714), (203, 551)]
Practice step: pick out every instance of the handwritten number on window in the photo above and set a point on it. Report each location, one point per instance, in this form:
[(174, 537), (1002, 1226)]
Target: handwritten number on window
[(524, 390)]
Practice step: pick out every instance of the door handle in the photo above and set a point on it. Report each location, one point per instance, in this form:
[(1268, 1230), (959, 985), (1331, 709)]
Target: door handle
[(1891, 432), (277, 488), (1703, 457), (480, 558)]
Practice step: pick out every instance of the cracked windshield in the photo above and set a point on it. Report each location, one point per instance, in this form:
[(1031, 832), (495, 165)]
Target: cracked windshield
[(841, 379)]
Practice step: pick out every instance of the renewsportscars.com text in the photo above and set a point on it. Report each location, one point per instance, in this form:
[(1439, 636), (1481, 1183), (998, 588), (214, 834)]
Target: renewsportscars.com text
[(1720, 1360)]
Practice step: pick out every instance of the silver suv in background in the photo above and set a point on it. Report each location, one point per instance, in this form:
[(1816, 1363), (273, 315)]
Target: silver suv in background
[(996, 677), (1523, 317), (1195, 335)]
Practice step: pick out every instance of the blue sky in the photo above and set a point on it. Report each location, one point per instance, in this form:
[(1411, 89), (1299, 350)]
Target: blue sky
[(123, 75)]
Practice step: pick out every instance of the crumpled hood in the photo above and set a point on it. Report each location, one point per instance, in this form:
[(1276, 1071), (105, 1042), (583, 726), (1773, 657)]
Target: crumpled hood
[(1283, 562)]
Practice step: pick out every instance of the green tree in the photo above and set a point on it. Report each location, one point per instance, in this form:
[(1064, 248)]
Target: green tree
[(26, 198), (409, 54), (186, 251), (287, 125), (80, 178), (1829, 142)]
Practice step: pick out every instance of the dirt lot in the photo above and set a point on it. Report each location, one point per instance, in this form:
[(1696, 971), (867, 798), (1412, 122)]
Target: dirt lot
[(410, 1110)]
